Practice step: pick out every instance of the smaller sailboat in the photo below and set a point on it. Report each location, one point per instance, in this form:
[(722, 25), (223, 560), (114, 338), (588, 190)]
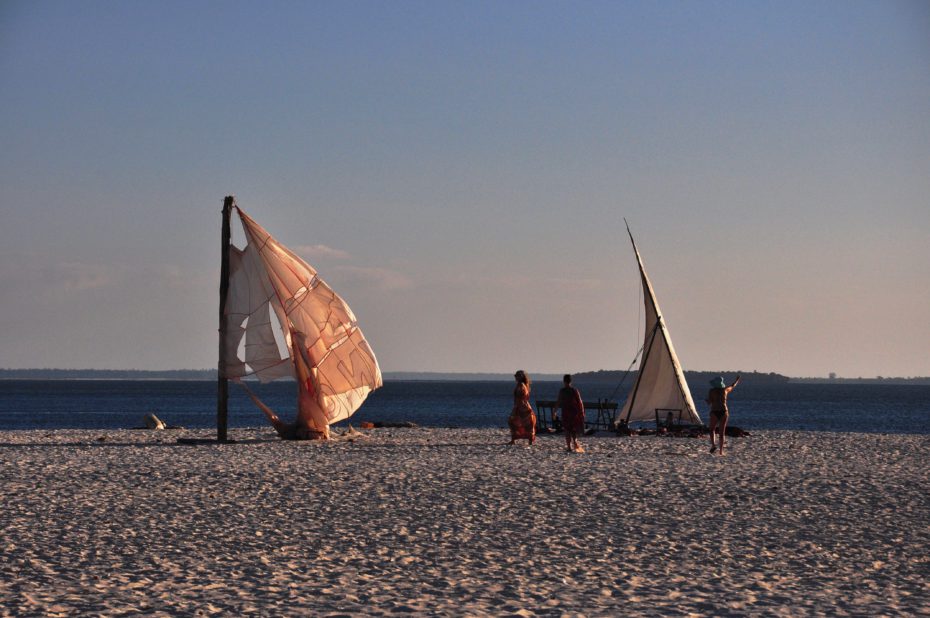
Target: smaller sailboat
[(660, 386), (279, 319)]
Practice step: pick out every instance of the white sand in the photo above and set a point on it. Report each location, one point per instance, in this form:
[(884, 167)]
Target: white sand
[(456, 522)]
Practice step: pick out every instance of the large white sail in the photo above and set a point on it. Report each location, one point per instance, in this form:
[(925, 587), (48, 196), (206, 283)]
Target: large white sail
[(660, 384), (283, 320)]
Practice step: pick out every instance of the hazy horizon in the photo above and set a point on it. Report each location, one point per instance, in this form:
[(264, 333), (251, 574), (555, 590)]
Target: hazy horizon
[(459, 173), (536, 375)]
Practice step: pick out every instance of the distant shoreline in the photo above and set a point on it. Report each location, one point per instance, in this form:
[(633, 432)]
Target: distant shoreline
[(608, 376)]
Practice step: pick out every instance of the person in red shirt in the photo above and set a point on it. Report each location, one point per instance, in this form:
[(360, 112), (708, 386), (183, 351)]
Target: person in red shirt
[(572, 413)]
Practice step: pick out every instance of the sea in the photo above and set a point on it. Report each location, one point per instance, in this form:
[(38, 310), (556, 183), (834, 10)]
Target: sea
[(118, 404)]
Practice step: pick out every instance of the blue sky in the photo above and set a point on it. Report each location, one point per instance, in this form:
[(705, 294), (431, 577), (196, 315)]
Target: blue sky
[(459, 172)]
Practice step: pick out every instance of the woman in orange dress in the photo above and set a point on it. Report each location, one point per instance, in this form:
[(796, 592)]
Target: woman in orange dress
[(522, 420)]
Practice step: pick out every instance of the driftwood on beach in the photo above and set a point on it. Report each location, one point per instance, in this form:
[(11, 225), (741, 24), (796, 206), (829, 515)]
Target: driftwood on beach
[(150, 421)]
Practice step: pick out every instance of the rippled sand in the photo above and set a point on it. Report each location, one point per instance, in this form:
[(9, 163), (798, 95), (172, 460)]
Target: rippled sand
[(443, 521)]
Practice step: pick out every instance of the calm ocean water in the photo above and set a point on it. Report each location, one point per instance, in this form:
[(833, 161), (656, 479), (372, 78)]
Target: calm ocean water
[(31, 404)]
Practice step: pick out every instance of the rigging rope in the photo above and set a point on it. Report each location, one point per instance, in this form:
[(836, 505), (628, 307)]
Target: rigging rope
[(640, 308), (627, 373)]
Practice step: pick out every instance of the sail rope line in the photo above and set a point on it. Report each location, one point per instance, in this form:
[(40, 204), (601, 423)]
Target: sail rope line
[(639, 323), (626, 373), (308, 288), (640, 314), (260, 249), (271, 272), (248, 237), (278, 282)]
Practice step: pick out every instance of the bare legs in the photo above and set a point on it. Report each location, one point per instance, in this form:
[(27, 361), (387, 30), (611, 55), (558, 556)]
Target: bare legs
[(570, 426), (718, 423), (713, 432), (722, 428), (571, 442)]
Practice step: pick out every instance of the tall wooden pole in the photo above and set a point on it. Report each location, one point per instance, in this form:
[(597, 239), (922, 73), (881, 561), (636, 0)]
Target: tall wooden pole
[(222, 391)]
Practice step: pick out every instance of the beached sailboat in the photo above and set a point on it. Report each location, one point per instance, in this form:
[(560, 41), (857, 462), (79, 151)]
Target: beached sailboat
[(279, 319), (660, 385)]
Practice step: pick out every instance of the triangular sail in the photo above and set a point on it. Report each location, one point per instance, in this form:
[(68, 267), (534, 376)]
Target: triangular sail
[(660, 384), (283, 320)]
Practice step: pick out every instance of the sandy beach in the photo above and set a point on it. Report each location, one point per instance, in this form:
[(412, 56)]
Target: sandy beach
[(456, 522)]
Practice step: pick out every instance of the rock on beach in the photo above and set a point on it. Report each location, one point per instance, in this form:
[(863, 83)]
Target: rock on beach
[(456, 522)]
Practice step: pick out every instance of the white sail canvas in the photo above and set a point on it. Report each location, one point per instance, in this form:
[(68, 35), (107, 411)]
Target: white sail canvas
[(660, 384), (284, 320)]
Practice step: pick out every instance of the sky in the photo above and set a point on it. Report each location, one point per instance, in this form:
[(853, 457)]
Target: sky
[(460, 172)]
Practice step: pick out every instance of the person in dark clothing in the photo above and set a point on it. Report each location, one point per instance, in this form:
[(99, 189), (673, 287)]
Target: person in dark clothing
[(719, 413), (572, 414)]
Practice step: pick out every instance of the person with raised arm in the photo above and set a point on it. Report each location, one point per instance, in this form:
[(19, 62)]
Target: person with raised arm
[(719, 413)]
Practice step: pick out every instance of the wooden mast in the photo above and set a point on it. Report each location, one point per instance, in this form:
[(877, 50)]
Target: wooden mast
[(659, 327), (222, 391)]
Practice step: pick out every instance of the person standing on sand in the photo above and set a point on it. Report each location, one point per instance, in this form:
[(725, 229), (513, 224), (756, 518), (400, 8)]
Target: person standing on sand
[(522, 420), (719, 413), (572, 413)]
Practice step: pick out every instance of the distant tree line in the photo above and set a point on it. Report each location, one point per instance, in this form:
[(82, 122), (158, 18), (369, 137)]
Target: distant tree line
[(875, 380), (754, 377), (106, 374), (590, 377)]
